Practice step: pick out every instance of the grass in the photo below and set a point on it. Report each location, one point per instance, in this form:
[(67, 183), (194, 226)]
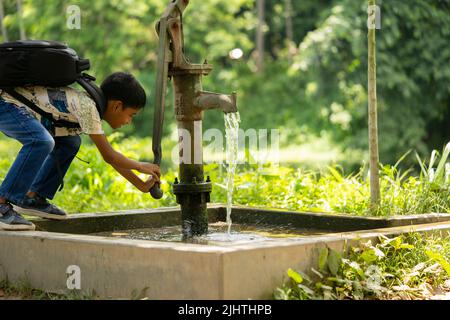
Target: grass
[(410, 267), (23, 290), (99, 188)]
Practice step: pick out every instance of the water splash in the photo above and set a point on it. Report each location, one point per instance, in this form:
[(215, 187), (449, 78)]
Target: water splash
[(232, 121)]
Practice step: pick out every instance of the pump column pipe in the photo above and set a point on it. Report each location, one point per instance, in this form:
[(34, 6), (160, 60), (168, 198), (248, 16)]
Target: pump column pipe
[(192, 191)]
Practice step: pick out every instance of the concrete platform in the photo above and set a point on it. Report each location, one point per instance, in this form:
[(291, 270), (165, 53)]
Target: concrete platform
[(120, 268)]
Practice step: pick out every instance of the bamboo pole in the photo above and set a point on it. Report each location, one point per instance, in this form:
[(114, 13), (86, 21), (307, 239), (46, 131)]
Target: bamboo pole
[(373, 117)]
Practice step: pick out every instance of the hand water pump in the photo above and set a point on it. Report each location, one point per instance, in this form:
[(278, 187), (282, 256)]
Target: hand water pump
[(191, 189)]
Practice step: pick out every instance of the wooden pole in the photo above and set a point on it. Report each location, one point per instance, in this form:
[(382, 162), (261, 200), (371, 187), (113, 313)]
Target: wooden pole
[(260, 35), (2, 17), (20, 15), (289, 27), (373, 117)]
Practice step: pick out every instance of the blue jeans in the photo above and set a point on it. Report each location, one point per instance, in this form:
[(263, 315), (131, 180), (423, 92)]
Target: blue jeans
[(43, 160)]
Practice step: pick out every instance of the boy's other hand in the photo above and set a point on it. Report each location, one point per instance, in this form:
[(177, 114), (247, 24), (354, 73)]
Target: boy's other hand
[(150, 168)]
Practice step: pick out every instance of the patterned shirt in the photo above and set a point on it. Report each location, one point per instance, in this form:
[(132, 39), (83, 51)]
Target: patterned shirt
[(63, 103)]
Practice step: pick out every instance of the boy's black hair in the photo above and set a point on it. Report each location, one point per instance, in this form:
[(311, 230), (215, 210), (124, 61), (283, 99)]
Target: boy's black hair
[(124, 87)]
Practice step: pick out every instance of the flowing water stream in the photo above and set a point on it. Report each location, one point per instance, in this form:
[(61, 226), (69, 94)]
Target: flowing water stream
[(232, 121)]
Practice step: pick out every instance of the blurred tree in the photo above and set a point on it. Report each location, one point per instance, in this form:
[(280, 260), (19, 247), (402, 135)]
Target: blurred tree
[(305, 16), (413, 73)]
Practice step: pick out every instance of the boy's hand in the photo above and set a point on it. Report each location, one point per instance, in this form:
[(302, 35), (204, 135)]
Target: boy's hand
[(149, 183), (150, 168)]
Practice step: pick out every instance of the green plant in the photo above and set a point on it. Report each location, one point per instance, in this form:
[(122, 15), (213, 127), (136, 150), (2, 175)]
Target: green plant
[(438, 178), (99, 188), (403, 267), (23, 289)]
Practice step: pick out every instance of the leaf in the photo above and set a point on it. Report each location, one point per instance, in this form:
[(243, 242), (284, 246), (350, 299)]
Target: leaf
[(323, 255), (355, 266), (307, 290), (397, 243), (304, 276), (441, 166), (221, 186), (334, 261), (327, 293), (424, 171), (317, 272), (422, 167), (282, 294), (294, 276), (419, 267), (403, 287), (139, 295), (358, 292), (440, 259), (369, 256), (432, 269), (336, 174), (434, 155), (325, 287), (380, 254), (401, 159)]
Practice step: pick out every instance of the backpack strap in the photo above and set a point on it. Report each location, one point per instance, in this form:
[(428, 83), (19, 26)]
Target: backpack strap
[(57, 123), (87, 82)]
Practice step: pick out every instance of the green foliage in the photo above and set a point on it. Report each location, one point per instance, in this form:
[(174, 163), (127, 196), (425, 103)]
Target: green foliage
[(322, 90), (100, 188), (403, 267), (412, 73)]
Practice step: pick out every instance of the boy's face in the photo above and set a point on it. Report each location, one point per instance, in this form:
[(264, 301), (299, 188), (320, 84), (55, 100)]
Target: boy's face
[(116, 115)]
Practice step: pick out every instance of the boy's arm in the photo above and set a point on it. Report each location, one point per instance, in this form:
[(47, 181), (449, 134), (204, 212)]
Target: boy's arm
[(143, 186), (118, 160)]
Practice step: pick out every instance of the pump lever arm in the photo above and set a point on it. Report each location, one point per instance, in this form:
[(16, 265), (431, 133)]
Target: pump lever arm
[(174, 9), (164, 58), (160, 97)]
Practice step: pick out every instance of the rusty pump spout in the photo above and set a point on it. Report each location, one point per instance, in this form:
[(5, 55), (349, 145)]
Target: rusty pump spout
[(191, 189)]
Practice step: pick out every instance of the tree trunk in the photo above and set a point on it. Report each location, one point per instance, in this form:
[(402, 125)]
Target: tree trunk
[(289, 28), (260, 35), (2, 16), (373, 121), (20, 15)]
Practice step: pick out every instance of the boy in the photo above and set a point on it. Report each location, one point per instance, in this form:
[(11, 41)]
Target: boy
[(47, 152)]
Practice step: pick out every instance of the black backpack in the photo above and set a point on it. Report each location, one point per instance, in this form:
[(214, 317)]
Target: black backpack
[(45, 63)]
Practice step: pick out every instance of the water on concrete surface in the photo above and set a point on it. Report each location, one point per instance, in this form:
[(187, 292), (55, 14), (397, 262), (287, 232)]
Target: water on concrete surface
[(218, 234)]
